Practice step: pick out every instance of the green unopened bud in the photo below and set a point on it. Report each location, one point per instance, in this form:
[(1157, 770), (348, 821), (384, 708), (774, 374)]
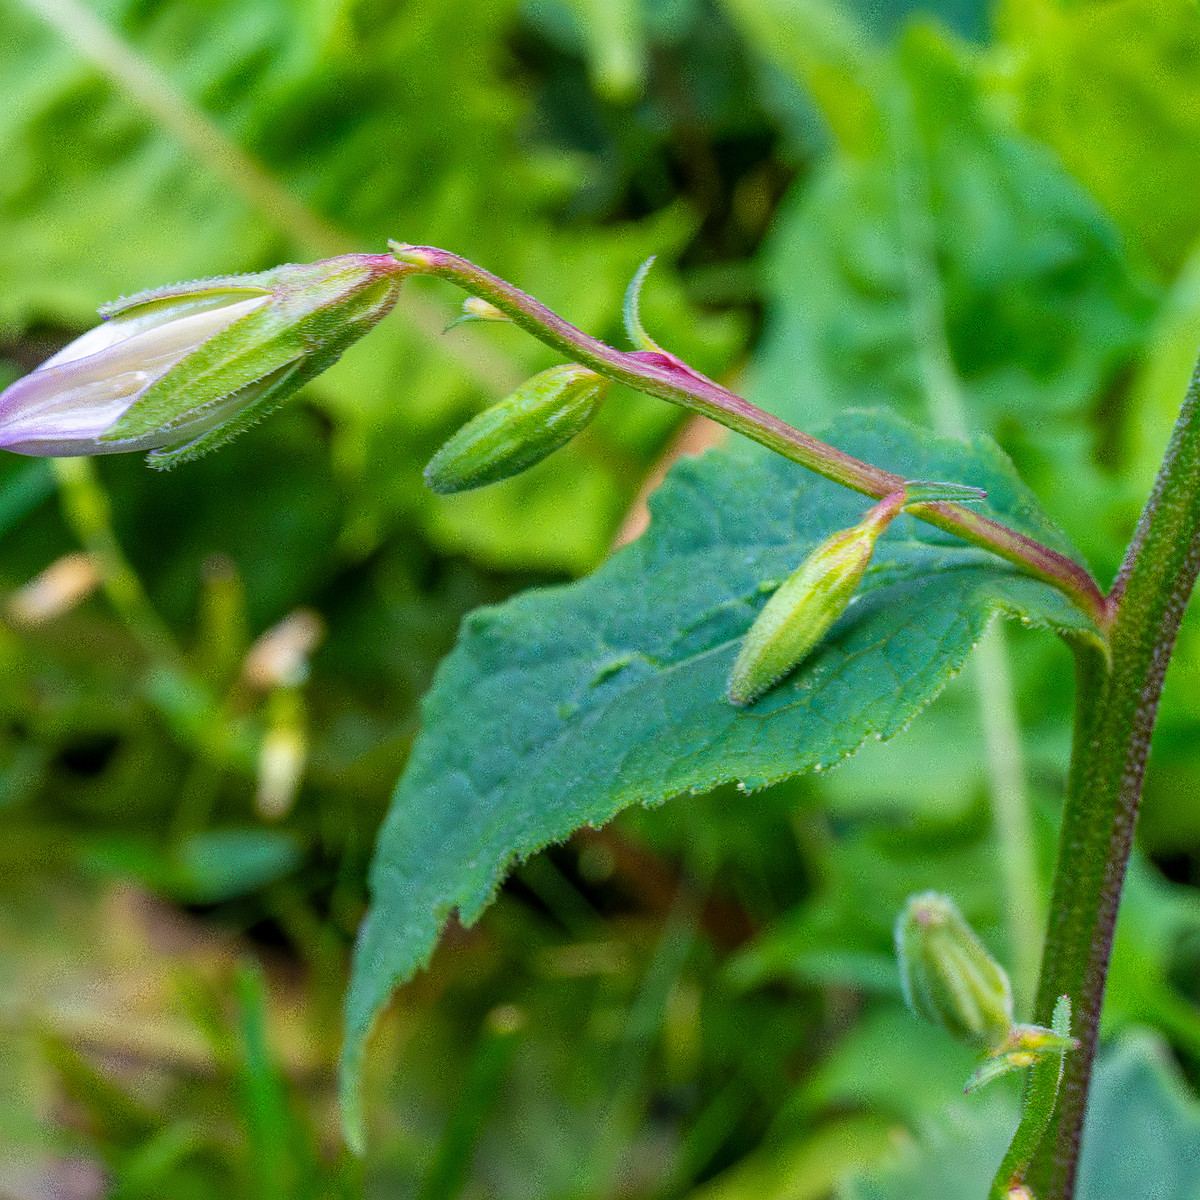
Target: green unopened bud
[(544, 413), (947, 974), (181, 369), (808, 602)]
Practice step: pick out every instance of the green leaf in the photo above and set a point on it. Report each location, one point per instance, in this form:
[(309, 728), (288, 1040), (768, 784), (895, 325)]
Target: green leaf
[(950, 219), (1136, 1086), (803, 1167), (1153, 956), (206, 868), (955, 1159), (1110, 83), (842, 935), (565, 705)]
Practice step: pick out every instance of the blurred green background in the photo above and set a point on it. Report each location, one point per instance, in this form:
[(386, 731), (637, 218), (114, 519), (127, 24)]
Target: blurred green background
[(202, 720)]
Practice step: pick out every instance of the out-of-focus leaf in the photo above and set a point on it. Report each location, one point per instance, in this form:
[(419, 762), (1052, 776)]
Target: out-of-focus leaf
[(1158, 924), (1136, 1086), (952, 225), (25, 486), (1109, 85), (842, 935), (820, 47), (565, 706), (1170, 819), (205, 868), (612, 35), (956, 1156), (803, 1168), (1163, 375), (872, 1068), (279, 1158), (230, 862)]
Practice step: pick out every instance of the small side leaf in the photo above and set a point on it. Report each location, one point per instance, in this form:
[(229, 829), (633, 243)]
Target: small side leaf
[(631, 310)]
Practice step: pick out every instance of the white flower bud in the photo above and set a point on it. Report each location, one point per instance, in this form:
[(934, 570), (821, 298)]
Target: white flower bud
[(179, 370)]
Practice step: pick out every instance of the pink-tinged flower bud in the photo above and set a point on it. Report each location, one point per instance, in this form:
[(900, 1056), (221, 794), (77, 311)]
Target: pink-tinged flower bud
[(179, 370)]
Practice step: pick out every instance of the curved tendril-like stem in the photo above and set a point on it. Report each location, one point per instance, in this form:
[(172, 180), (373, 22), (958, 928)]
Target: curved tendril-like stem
[(667, 377)]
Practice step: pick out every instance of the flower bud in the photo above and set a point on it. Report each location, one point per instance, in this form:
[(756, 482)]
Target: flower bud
[(947, 974), (281, 762), (544, 413), (808, 602), (181, 369), (475, 308)]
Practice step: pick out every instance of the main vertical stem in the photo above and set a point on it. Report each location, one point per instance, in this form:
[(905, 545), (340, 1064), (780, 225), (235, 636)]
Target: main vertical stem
[(1115, 711)]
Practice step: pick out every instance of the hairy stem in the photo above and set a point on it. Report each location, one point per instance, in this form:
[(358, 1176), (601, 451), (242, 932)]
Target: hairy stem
[(1040, 1095), (1115, 712), (669, 379)]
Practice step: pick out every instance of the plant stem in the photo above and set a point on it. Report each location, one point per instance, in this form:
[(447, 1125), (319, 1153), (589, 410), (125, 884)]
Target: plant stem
[(1015, 844), (1115, 712), (1040, 1095), (666, 377), (87, 511), (169, 108)]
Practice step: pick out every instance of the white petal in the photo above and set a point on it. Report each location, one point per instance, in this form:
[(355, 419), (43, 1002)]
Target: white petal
[(70, 400), (143, 324)]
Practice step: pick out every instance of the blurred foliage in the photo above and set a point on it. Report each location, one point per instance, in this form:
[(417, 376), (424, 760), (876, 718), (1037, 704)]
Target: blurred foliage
[(853, 204)]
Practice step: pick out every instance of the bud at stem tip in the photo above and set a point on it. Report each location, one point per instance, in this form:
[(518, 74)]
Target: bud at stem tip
[(180, 369)]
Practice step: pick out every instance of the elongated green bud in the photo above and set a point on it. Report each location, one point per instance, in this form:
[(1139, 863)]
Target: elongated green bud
[(544, 413), (947, 974), (808, 602)]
